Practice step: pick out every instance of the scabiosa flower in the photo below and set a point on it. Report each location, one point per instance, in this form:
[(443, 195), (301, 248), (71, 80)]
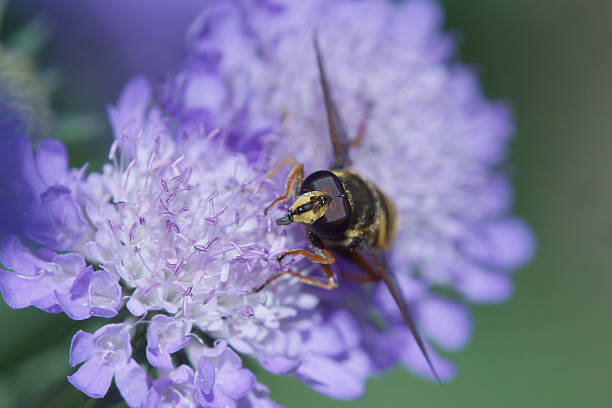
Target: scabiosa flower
[(433, 142), (170, 241)]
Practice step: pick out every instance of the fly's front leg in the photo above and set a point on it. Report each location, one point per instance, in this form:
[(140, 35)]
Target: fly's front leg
[(295, 178), (324, 256), (330, 283)]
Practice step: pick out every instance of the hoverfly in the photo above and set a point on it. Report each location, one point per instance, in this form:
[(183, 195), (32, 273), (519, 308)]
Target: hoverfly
[(343, 213)]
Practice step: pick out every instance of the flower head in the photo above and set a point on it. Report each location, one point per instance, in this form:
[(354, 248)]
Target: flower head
[(432, 141), (172, 231)]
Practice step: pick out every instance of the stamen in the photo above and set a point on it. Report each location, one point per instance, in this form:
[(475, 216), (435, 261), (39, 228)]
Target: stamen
[(113, 149), (208, 245), (132, 230), (165, 206), (178, 160), (83, 171), (208, 297), (178, 266), (152, 288), (247, 312), (238, 249), (173, 226), (211, 196), (128, 171), (187, 175)]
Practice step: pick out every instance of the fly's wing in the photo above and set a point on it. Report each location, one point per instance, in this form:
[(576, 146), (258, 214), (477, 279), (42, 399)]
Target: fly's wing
[(389, 279), (337, 132)]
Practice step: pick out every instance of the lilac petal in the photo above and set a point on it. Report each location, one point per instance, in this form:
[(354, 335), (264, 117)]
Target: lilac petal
[(413, 359), (446, 322), (81, 347), (485, 287), (55, 221), (279, 365), (93, 378), (383, 347), (157, 358), (235, 383), (19, 293), (104, 294), (52, 161), (76, 309), (206, 375), (129, 112), (165, 335), (506, 244), (16, 190), (324, 339), (18, 257), (132, 382), (81, 283), (347, 327), (331, 377), (216, 399), (113, 341)]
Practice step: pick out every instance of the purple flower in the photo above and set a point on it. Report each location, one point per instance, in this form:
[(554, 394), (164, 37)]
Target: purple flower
[(165, 336), (36, 279), (433, 141), (220, 377), (173, 228), (42, 193), (106, 354)]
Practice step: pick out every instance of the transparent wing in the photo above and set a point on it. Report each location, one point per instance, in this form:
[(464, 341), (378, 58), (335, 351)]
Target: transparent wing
[(389, 279), (337, 132)]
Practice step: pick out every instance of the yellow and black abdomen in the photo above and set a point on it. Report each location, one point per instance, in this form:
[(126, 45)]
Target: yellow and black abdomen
[(372, 214)]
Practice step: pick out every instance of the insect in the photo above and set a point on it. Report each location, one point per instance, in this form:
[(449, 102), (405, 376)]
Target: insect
[(343, 214)]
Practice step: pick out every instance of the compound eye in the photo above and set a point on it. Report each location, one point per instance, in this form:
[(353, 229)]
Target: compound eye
[(336, 219)]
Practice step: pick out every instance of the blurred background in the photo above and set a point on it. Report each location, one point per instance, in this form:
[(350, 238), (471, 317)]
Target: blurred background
[(549, 346)]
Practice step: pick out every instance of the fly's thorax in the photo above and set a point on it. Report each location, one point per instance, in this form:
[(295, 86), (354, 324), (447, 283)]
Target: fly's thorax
[(373, 217)]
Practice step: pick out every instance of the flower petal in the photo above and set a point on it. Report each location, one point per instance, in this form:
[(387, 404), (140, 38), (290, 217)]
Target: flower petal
[(132, 382), (93, 378), (81, 347)]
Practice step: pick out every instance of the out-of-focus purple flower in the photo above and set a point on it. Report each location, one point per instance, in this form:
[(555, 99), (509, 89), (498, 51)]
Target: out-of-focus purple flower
[(433, 142), (106, 354), (139, 37), (40, 193)]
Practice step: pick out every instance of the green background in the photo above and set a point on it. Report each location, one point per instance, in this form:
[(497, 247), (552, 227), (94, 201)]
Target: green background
[(549, 346)]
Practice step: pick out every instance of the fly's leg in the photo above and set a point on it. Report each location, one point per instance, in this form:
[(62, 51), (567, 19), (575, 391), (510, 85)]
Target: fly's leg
[(363, 126), (330, 283), (365, 266), (287, 160), (324, 257), (295, 178)]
